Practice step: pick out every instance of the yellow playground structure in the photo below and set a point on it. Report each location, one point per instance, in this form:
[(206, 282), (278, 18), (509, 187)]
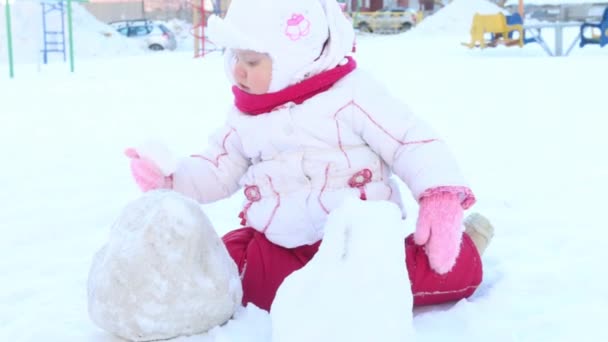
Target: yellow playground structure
[(489, 30)]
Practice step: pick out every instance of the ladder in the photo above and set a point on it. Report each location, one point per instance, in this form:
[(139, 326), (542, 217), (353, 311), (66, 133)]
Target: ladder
[(53, 39)]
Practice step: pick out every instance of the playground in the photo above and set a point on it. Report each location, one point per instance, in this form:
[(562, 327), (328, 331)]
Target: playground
[(491, 30), (37, 32), (58, 39), (34, 33), (509, 29)]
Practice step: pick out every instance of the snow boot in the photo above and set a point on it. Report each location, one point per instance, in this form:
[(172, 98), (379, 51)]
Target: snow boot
[(480, 230)]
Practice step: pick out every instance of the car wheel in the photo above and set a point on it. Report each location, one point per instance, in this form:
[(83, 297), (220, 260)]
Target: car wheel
[(156, 47), (406, 26), (364, 27)]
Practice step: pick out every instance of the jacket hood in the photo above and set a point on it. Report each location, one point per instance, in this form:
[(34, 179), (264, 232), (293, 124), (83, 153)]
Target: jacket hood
[(302, 37)]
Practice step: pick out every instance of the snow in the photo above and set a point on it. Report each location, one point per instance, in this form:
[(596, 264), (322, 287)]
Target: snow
[(163, 273), (455, 18), (328, 291), (528, 130), (159, 153)]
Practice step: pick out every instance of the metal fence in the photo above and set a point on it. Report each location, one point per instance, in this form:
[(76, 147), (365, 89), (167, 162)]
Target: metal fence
[(563, 13)]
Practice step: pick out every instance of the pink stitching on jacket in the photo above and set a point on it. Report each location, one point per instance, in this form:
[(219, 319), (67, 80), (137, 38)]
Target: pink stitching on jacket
[(338, 130), (216, 162), (401, 142), (276, 207), (323, 190)]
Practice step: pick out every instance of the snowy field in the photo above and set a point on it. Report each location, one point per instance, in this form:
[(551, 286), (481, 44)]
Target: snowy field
[(529, 131)]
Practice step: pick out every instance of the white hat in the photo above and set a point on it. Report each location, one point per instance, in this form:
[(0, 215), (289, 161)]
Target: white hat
[(292, 32)]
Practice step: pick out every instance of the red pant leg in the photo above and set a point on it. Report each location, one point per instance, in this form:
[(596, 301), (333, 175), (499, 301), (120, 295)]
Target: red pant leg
[(263, 265), (430, 287)]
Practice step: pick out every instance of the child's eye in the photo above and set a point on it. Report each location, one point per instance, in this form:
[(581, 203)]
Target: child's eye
[(253, 63)]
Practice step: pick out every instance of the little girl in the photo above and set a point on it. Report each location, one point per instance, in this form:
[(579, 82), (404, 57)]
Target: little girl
[(308, 130)]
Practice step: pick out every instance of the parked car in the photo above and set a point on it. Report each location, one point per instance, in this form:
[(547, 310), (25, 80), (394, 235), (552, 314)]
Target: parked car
[(387, 20), (154, 36)]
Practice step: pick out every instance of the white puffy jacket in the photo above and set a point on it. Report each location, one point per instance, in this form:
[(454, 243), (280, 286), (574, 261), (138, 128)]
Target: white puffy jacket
[(299, 162)]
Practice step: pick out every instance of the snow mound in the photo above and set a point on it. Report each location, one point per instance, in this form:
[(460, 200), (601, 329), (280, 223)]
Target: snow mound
[(163, 273), (349, 291), (455, 18), (92, 38)]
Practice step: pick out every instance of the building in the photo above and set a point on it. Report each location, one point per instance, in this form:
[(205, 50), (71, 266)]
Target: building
[(111, 10)]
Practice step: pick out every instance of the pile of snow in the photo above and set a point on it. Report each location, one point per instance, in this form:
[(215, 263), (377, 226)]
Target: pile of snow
[(92, 38), (163, 273), (455, 18), (184, 35), (339, 293), (159, 153)]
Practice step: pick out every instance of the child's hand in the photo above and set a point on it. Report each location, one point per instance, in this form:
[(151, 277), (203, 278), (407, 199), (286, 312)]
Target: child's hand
[(439, 228), (146, 174)]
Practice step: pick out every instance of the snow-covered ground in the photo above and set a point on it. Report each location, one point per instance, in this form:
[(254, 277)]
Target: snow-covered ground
[(529, 131)]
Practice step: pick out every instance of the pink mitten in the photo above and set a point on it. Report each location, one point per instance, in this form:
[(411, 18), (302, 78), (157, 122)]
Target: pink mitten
[(147, 175), (439, 228)]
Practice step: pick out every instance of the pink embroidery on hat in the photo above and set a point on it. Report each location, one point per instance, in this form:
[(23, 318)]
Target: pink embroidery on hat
[(297, 27)]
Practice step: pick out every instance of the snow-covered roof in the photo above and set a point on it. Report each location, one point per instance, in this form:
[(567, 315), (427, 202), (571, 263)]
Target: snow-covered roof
[(556, 2)]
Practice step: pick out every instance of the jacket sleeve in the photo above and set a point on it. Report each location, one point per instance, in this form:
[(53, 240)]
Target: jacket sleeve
[(215, 173), (406, 143)]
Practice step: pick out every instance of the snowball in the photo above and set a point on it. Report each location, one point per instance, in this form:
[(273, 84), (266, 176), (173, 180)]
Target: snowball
[(356, 288), (163, 273), (160, 154)]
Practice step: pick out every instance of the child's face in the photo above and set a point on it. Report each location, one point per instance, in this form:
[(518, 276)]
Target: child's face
[(252, 71)]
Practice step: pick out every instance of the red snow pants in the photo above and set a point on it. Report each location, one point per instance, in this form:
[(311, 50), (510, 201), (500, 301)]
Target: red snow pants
[(263, 267)]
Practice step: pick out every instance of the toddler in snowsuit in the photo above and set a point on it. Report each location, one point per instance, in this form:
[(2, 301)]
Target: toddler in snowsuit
[(308, 130)]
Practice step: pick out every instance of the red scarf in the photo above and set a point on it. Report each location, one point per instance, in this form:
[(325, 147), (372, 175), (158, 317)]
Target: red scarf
[(258, 104)]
